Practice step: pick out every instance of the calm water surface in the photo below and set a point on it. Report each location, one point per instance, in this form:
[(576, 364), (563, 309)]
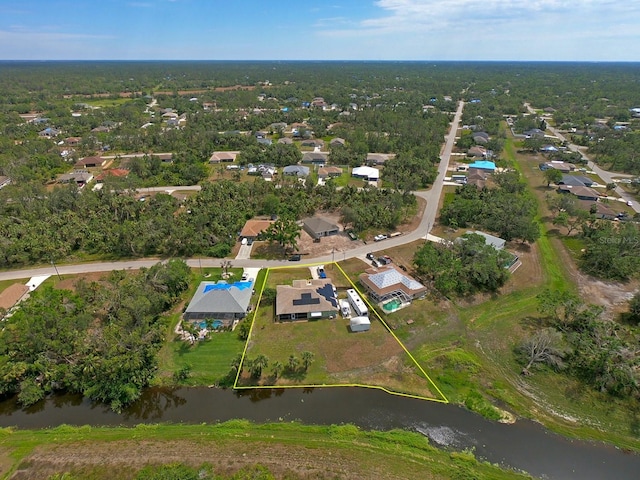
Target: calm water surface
[(524, 445)]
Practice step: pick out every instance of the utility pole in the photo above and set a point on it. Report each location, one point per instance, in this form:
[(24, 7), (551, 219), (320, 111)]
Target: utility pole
[(56, 269)]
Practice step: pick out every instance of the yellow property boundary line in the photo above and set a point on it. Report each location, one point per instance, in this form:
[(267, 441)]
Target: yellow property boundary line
[(331, 385)]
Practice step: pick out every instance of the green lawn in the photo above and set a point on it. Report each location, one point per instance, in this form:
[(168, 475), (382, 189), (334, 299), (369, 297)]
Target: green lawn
[(210, 360)]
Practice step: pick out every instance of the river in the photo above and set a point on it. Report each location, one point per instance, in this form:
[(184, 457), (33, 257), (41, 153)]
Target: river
[(524, 445)]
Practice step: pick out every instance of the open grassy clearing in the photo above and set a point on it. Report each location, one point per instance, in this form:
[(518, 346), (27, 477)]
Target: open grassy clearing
[(288, 450), (372, 358)]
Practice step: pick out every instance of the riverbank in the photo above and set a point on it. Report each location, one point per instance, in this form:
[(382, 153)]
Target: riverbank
[(288, 450)]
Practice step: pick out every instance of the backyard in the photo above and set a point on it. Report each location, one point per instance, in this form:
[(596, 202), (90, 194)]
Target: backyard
[(373, 358)]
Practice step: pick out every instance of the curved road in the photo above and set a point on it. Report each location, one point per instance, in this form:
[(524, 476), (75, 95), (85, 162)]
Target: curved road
[(432, 197), (603, 174)]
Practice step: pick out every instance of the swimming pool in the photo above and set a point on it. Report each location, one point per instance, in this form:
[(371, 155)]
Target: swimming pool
[(392, 305), (215, 324)]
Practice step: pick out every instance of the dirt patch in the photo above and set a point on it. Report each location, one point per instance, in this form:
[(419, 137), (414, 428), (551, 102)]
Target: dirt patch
[(333, 245), (121, 459), (70, 283)]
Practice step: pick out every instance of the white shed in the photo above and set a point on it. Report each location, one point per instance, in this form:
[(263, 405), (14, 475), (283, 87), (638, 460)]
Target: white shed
[(359, 324)]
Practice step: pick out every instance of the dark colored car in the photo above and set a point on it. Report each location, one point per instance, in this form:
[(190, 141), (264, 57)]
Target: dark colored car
[(370, 256), (294, 258)]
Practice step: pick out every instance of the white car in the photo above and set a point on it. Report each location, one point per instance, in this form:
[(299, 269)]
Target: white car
[(630, 203), (380, 237)]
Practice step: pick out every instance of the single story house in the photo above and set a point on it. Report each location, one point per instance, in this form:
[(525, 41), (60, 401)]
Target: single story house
[(221, 302), (564, 167), (389, 282), (496, 242), (226, 157), (285, 141), (73, 141), (315, 158), (481, 137), (576, 181), (477, 177), (254, 227), (601, 210), (583, 193), (49, 132), (313, 143), (11, 295), (306, 300), (4, 181), (379, 158), (477, 151), (367, 173), (329, 172), (534, 133), (483, 165), (298, 170), (337, 141), (80, 177), (90, 162), (114, 172), (318, 227)]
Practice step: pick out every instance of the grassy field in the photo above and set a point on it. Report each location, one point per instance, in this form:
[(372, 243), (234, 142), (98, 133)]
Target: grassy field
[(374, 358), (289, 450)]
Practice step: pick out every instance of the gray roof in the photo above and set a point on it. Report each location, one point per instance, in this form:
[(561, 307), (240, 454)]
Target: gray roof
[(319, 225), (299, 170), (496, 242), (229, 300)]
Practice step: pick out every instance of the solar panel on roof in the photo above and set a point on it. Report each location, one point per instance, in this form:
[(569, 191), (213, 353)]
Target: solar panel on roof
[(306, 299)]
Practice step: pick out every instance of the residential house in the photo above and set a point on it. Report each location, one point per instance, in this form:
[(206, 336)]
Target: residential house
[(315, 158), (306, 300), (226, 157), (337, 141), (222, 302), (164, 157), (477, 151), (4, 181), (483, 165), (318, 227), (90, 162), (80, 177), (297, 170), (285, 141), (254, 227), (534, 133), (481, 137), (601, 210), (113, 172), (477, 177), (49, 132), (366, 173), (496, 242), (378, 158), (329, 172), (72, 141), (564, 167), (576, 181), (583, 193), (389, 282), (315, 143)]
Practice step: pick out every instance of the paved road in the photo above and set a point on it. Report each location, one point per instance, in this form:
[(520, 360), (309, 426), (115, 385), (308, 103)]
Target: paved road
[(603, 174), (432, 197)]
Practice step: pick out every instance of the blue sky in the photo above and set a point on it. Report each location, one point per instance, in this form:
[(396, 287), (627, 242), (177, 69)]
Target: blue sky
[(557, 30)]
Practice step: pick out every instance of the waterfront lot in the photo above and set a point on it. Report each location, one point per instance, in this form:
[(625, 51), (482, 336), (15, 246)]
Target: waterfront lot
[(373, 358)]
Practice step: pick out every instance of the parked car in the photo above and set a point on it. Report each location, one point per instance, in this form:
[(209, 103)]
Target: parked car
[(382, 261), (294, 258), (370, 256), (380, 237), (321, 272), (375, 263)]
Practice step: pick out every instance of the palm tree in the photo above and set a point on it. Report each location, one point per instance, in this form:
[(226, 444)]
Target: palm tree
[(257, 365), (307, 360), (277, 368), (293, 363)]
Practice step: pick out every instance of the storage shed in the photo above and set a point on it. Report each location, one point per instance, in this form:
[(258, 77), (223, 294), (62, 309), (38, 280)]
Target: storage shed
[(359, 324)]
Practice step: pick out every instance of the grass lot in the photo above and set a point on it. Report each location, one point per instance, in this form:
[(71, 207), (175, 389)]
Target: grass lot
[(290, 450), (209, 360), (373, 358), (106, 102)]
